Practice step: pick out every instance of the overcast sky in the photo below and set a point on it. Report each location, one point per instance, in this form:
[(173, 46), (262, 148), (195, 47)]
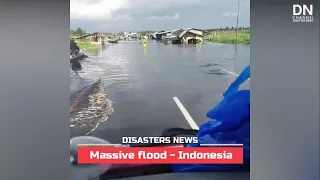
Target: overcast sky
[(137, 15)]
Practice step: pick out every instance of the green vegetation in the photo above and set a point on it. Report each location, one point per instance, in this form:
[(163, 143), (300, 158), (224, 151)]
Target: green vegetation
[(77, 32), (84, 43), (229, 37), (144, 33), (88, 46)]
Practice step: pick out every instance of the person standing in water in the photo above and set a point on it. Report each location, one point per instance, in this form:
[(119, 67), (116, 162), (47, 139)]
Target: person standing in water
[(145, 45)]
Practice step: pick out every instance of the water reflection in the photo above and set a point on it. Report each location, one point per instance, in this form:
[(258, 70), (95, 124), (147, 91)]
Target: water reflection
[(145, 50)]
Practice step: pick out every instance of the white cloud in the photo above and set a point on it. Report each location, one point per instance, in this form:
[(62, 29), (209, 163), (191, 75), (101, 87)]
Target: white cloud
[(106, 9), (165, 17), (161, 4), (95, 9), (230, 14), (126, 17)]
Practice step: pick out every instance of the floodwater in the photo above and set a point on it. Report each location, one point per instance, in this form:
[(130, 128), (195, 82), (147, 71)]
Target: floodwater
[(140, 84)]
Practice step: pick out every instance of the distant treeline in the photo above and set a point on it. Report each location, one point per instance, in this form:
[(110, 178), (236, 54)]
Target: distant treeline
[(141, 33), (80, 32), (145, 32), (228, 29), (231, 28), (77, 32)]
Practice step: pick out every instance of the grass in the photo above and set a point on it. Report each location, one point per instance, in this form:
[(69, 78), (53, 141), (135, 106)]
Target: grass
[(230, 37), (86, 44)]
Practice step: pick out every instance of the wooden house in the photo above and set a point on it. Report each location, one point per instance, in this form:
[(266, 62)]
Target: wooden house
[(190, 35)]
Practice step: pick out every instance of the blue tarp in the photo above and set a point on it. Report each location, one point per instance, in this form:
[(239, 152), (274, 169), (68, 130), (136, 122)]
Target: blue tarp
[(229, 124)]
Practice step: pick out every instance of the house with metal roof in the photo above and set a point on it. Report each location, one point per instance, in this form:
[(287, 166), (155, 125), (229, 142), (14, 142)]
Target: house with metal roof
[(190, 35)]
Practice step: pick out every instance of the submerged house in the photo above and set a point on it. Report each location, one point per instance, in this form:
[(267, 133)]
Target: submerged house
[(189, 36), (157, 35), (133, 36), (169, 36), (163, 36), (130, 36)]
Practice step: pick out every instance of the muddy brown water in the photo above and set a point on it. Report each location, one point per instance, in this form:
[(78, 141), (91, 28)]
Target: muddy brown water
[(139, 85)]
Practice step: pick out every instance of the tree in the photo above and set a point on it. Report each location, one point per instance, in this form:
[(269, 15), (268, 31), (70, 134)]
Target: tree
[(79, 32), (143, 33)]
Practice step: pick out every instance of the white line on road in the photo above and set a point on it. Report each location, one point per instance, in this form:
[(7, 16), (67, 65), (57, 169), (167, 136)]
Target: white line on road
[(186, 114), (230, 72)]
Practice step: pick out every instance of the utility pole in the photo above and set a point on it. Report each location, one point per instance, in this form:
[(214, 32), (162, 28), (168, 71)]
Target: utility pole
[(237, 22)]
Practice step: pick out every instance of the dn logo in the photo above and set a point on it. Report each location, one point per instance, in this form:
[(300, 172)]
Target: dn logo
[(302, 13), (299, 10)]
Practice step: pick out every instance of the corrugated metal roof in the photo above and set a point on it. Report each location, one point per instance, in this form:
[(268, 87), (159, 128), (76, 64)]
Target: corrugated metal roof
[(164, 32), (197, 32), (183, 33), (178, 32)]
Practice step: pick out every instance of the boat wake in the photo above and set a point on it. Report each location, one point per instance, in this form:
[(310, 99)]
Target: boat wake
[(89, 108)]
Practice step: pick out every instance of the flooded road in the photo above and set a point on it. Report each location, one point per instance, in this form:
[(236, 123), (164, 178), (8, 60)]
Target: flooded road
[(150, 88)]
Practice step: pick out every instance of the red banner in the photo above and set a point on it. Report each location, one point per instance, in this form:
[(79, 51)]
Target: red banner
[(156, 155)]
